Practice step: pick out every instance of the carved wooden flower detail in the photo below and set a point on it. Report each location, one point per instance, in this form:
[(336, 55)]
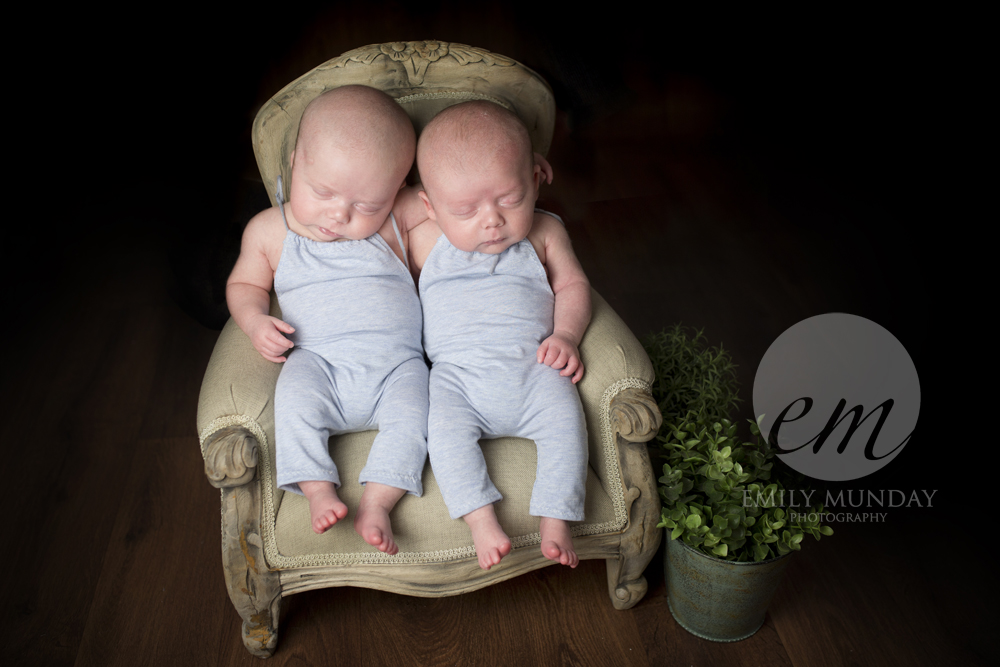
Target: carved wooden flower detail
[(398, 51), (431, 50), (417, 56)]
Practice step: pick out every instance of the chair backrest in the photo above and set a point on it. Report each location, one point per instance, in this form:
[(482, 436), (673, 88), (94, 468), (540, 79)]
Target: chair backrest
[(424, 78)]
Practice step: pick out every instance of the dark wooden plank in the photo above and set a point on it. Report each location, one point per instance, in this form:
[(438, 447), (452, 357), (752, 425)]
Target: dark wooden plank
[(316, 625), (71, 441), (550, 616), (545, 617), (161, 599), (859, 597)]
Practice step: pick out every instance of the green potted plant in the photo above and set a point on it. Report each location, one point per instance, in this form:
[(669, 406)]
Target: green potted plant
[(729, 533)]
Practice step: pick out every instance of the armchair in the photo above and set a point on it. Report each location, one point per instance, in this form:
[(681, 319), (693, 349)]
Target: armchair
[(269, 550)]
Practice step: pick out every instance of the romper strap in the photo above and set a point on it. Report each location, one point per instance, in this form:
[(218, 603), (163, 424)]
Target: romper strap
[(280, 196), (398, 238), (540, 210)]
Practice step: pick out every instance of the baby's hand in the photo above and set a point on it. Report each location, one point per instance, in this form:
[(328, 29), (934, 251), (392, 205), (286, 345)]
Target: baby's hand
[(265, 334), (559, 352)]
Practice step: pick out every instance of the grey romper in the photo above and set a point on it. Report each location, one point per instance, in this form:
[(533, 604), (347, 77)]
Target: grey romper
[(357, 363), (484, 317)]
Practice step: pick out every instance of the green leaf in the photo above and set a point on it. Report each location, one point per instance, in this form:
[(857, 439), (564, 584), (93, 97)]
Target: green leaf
[(707, 468)]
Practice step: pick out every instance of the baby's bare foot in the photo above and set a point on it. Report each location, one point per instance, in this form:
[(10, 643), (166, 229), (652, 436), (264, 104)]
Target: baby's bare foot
[(325, 507), (372, 520), (492, 544), (557, 542)]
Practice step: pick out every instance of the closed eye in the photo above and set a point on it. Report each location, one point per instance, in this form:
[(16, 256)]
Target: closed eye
[(512, 200)]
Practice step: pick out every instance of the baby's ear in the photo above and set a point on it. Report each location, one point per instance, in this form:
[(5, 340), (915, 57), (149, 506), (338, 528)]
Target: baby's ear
[(427, 205), (542, 167), (291, 159)]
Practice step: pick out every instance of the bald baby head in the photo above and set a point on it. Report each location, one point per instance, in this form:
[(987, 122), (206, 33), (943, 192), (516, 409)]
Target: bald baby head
[(472, 135), (361, 121)]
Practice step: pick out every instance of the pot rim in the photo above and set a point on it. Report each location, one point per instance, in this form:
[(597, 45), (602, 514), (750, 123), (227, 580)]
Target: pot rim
[(728, 562)]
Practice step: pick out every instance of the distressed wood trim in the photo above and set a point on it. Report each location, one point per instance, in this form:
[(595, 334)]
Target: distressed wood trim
[(411, 71), (636, 419), (440, 579), (254, 589), (635, 415), (230, 457)]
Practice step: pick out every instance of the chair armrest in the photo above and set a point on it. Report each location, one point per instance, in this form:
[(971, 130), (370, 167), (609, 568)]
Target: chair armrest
[(635, 417), (230, 457), (236, 405), (610, 350), (615, 387), (621, 416)]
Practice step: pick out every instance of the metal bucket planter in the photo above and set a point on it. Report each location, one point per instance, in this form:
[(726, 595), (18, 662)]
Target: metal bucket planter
[(716, 599)]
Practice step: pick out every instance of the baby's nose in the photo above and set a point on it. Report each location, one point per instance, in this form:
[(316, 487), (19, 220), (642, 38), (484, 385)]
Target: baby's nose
[(337, 211), (493, 218)]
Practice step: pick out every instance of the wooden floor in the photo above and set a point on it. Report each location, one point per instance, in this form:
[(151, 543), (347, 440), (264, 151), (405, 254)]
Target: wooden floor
[(679, 213)]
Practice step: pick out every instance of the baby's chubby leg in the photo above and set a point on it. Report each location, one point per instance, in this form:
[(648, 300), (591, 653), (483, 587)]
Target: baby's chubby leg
[(454, 428), (553, 418), (304, 398), (396, 462), (325, 506)]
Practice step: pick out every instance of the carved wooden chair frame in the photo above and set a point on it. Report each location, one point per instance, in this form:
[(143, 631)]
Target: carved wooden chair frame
[(235, 413)]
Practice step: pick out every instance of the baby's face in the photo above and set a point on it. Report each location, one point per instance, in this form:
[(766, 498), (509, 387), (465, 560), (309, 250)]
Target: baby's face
[(339, 195), (486, 209)]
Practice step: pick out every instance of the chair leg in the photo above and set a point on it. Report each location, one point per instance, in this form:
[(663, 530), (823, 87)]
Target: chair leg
[(254, 590), (641, 539)]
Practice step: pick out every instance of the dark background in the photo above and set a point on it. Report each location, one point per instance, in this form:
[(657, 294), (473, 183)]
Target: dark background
[(829, 120), (766, 166)]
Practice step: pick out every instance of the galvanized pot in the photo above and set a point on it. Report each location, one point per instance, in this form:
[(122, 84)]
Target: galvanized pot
[(716, 599)]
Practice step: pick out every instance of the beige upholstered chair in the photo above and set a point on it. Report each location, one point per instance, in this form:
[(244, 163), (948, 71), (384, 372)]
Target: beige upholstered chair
[(268, 547)]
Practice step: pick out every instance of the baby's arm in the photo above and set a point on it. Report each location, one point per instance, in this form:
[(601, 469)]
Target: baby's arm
[(248, 287), (422, 232), (572, 298), (409, 209)]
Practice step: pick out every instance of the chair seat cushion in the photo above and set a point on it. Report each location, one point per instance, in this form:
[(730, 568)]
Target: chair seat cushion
[(421, 526)]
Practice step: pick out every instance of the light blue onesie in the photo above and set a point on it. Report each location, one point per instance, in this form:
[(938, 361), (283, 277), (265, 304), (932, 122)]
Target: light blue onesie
[(484, 318), (357, 363)]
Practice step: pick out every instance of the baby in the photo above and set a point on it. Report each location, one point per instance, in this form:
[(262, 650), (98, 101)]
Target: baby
[(338, 264), (505, 305)]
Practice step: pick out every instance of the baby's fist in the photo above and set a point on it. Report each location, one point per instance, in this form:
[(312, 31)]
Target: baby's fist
[(267, 339), (559, 352)]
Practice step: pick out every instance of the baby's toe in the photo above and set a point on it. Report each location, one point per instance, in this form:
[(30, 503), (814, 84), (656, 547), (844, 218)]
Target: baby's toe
[(551, 551)]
